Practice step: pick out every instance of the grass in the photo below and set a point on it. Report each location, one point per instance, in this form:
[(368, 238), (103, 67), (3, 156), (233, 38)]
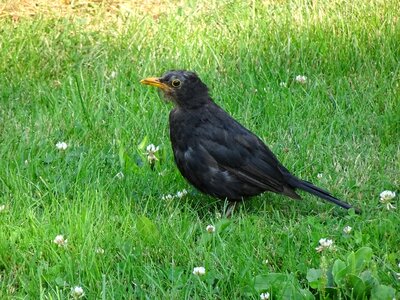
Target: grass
[(57, 84)]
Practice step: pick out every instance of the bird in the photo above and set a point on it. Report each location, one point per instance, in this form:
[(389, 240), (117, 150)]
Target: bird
[(218, 155)]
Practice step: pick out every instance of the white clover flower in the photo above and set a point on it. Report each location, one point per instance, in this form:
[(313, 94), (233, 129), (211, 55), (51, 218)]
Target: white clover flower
[(283, 84), (301, 79), (266, 261), (60, 241), (320, 175), (26, 162), (99, 250), (2, 208), (152, 148), (347, 229), (182, 193), (386, 197), (77, 292), (398, 265), (61, 146), (167, 197), (120, 175), (199, 271), (324, 244), (264, 296), (150, 152), (113, 74), (210, 228)]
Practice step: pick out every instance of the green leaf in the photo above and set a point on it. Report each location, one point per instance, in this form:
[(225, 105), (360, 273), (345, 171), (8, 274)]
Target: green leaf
[(265, 282), (351, 263), (174, 274), (356, 286), (314, 278), (49, 158), (383, 292), (330, 282), (362, 257), (313, 275), (306, 294), (147, 229), (143, 143), (369, 280), (247, 291), (60, 281), (358, 237), (289, 291), (339, 271), (125, 160)]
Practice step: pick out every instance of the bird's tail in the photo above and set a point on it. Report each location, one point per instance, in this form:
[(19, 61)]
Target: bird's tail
[(312, 189)]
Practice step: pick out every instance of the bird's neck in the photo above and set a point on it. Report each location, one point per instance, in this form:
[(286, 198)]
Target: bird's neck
[(195, 102)]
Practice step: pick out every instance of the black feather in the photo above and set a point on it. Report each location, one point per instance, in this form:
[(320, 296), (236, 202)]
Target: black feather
[(317, 191)]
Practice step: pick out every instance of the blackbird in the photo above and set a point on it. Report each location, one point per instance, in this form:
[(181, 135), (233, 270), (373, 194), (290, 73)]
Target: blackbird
[(218, 155)]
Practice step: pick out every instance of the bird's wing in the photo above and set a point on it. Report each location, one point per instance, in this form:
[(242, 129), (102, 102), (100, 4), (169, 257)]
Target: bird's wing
[(225, 152), (244, 155)]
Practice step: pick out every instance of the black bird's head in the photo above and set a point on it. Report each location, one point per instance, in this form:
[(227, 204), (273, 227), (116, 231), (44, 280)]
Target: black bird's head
[(183, 88)]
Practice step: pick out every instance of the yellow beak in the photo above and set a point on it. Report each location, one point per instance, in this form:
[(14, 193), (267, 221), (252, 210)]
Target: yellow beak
[(154, 81)]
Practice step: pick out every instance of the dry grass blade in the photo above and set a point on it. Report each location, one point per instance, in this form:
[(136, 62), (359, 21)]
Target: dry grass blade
[(17, 9)]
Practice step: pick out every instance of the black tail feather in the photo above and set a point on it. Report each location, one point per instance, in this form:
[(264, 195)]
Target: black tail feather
[(312, 189)]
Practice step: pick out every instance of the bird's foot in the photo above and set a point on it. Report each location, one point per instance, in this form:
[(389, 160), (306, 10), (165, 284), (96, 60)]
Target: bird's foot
[(229, 209)]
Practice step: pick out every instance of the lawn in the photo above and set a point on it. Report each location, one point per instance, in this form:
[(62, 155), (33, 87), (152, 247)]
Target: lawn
[(69, 73)]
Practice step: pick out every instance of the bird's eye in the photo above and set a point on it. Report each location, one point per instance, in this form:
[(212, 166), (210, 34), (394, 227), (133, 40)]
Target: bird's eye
[(176, 82)]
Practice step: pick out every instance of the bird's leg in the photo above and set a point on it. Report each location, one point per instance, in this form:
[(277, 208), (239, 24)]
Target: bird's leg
[(229, 208)]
